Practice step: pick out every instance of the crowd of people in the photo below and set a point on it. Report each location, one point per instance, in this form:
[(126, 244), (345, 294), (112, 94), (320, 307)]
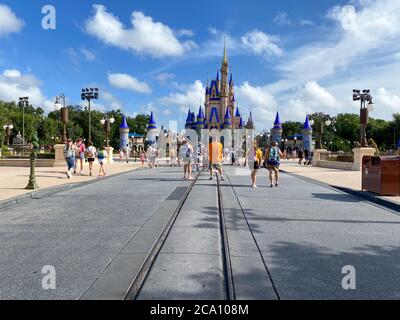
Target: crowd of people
[(193, 158), (76, 153)]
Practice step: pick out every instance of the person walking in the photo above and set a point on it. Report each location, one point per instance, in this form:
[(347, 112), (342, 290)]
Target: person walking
[(306, 157), (142, 158), (91, 156), (187, 155), (272, 158), (69, 155), (254, 159), (172, 156), (152, 154), (215, 154), (79, 154), (101, 157), (301, 156)]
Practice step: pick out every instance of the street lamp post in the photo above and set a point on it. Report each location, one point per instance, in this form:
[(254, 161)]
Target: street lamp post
[(320, 130), (23, 102), (8, 128), (90, 94), (364, 97), (64, 114), (107, 122)]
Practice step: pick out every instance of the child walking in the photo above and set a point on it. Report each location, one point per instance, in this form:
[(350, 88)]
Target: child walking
[(101, 156)]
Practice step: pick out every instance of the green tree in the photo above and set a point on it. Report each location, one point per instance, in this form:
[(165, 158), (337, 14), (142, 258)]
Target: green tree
[(291, 127)]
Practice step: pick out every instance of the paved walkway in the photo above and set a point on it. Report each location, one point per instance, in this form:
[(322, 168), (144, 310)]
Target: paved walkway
[(307, 233), (97, 237), (333, 177), (13, 180), (81, 232)]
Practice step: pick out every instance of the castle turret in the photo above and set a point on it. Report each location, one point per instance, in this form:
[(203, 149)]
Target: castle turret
[(277, 130), (188, 123), (151, 129), (123, 133), (307, 135), (250, 123), (227, 119), (200, 119)]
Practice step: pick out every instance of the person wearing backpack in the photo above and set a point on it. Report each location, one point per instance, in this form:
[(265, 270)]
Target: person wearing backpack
[(186, 151), (91, 156), (69, 155), (272, 159), (79, 154), (101, 156), (254, 160)]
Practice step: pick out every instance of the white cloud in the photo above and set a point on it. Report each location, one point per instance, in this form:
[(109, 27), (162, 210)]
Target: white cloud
[(12, 73), (318, 97), (14, 84), (9, 22), (370, 28), (282, 19), (144, 37), (164, 77), (261, 43), (306, 23), (127, 82), (185, 33), (259, 100), (387, 100), (76, 55), (190, 96)]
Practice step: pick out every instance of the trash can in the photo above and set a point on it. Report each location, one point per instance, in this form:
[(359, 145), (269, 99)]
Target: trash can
[(381, 175)]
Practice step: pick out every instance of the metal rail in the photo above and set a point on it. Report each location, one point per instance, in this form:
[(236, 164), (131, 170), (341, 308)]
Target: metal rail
[(226, 256), (137, 284)]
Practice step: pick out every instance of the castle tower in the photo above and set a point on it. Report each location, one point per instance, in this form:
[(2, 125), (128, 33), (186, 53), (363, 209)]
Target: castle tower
[(227, 119), (224, 82), (307, 135), (123, 133), (151, 129), (200, 119), (277, 130)]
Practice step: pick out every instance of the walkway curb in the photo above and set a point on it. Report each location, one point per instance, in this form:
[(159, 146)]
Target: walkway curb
[(365, 195), (47, 192)]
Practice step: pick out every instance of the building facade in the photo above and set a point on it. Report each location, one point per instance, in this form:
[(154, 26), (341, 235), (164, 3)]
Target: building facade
[(220, 110)]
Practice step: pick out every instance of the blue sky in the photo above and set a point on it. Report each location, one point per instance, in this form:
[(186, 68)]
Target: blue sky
[(295, 56)]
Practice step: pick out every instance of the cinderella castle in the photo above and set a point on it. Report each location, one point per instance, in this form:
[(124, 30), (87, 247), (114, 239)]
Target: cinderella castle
[(220, 109)]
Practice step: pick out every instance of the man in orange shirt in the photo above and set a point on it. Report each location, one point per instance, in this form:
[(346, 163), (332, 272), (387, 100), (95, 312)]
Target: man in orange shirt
[(215, 153)]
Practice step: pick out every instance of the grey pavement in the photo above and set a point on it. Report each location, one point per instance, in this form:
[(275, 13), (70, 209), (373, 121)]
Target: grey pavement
[(307, 233), (189, 265), (81, 232), (289, 242)]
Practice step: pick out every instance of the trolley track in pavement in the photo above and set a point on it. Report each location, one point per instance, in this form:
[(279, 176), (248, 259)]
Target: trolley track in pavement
[(228, 284)]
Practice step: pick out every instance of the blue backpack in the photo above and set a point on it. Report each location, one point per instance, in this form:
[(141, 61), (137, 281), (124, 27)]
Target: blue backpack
[(273, 158)]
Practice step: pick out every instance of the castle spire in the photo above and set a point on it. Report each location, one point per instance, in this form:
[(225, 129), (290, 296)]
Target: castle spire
[(225, 57)]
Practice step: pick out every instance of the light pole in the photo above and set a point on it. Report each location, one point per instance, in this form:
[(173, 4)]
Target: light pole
[(8, 128), (23, 102), (107, 122), (89, 94), (364, 97), (320, 130), (64, 114)]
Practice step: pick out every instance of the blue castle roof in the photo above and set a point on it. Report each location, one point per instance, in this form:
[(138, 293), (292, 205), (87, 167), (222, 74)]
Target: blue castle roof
[(277, 123), (124, 124), (227, 114), (237, 114), (214, 114), (241, 123), (307, 124), (152, 123), (201, 113), (230, 80)]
